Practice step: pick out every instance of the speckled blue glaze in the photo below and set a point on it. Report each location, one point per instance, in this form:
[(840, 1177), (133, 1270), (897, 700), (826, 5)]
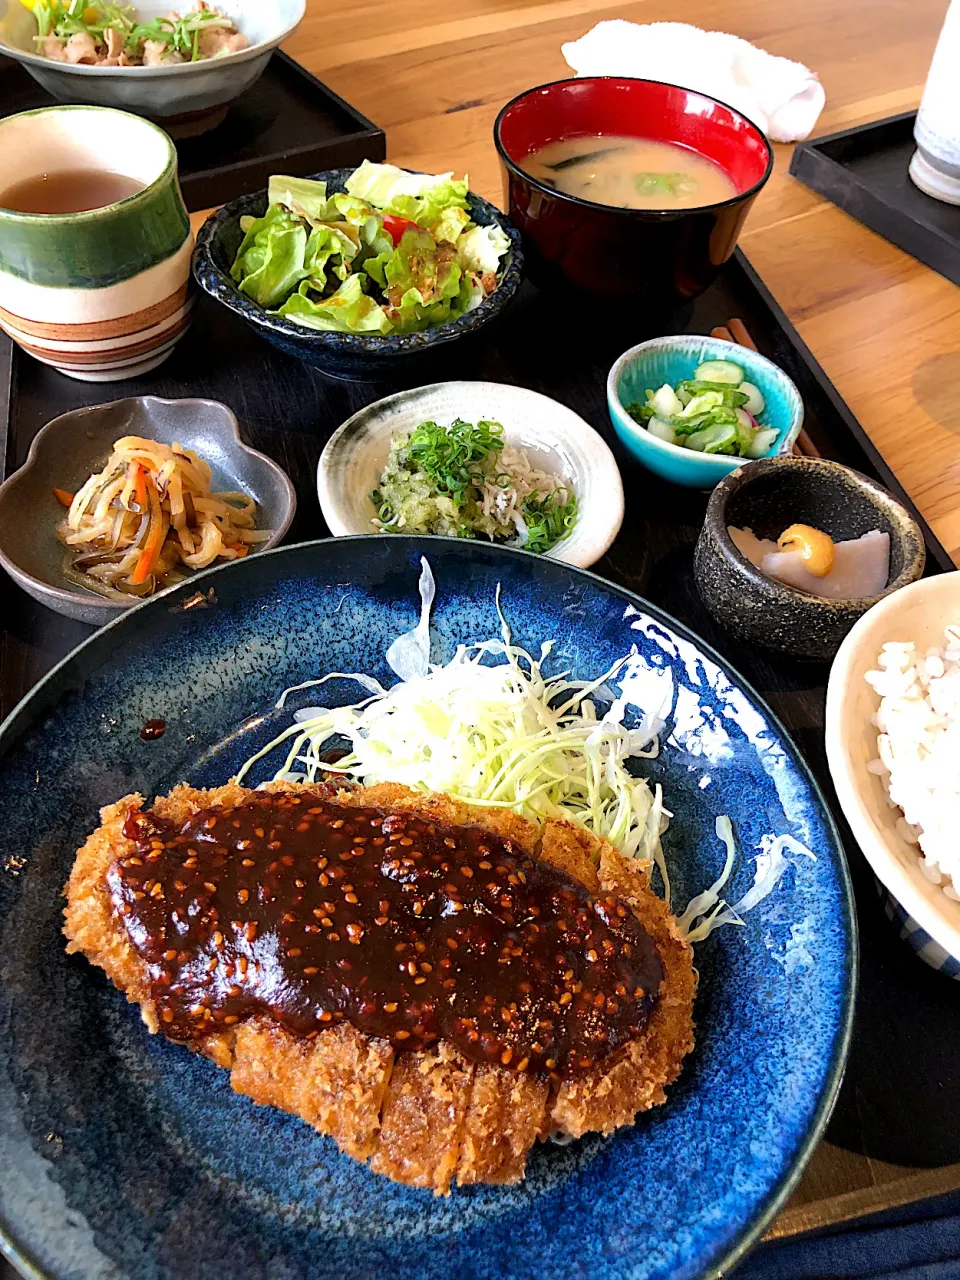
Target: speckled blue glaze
[(126, 1155), (354, 356), (651, 364)]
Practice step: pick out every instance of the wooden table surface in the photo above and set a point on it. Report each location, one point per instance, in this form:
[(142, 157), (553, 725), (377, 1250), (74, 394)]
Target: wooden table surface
[(885, 328)]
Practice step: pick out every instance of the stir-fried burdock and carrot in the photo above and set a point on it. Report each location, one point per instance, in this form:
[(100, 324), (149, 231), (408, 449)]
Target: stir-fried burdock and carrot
[(148, 516)]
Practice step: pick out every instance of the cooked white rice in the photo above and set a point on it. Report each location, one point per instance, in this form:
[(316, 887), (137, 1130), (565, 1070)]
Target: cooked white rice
[(919, 750)]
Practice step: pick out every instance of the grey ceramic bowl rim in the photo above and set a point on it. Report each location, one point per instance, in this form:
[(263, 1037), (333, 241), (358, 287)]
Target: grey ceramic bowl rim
[(718, 463), (213, 280), (639, 215), (92, 597), (153, 73), (716, 525)]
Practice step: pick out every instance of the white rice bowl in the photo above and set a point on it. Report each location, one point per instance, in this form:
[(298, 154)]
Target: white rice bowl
[(918, 871)]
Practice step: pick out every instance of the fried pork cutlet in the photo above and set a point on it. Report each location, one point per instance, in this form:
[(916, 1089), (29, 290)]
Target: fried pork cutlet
[(192, 908)]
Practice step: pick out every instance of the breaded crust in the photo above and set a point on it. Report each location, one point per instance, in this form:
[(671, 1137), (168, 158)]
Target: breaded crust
[(424, 1118)]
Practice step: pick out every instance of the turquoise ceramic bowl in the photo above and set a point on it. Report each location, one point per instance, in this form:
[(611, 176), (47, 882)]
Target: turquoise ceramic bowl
[(671, 359)]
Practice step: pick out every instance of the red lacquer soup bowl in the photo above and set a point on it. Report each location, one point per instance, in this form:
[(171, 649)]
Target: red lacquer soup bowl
[(622, 255)]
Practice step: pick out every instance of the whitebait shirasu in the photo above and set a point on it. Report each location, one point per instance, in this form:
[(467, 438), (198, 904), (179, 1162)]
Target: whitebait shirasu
[(504, 735)]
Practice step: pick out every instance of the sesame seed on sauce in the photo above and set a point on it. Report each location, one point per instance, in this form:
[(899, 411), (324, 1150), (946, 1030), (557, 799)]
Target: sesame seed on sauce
[(516, 964)]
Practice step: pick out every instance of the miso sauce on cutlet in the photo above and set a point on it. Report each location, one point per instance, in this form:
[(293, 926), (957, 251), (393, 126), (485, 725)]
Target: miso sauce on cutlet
[(309, 912)]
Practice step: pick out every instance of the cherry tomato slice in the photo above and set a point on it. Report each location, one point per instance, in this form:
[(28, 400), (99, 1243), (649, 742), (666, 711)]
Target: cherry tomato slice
[(395, 227)]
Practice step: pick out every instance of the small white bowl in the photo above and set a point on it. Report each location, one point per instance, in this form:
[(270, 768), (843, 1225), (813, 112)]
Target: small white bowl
[(159, 92), (552, 436), (929, 921)]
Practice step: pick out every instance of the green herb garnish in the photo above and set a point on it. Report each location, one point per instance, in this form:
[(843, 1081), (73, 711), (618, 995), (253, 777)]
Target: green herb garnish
[(664, 184), (456, 481), (548, 519), (65, 18), (183, 34), (641, 413), (452, 457)]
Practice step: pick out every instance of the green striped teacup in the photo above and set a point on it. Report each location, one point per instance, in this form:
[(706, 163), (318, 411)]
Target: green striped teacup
[(101, 295)]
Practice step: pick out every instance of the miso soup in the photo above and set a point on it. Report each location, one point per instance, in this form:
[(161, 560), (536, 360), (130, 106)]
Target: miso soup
[(629, 173)]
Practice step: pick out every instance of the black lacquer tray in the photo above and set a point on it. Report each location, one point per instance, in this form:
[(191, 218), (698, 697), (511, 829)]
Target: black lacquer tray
[(894, 1106), (288, 122), (864, 172)]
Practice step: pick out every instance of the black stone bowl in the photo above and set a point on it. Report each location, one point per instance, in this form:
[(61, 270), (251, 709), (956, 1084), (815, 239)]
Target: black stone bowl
[(767, 496), (354, 356)]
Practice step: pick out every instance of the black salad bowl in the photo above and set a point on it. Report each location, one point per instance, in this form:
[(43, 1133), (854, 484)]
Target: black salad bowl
[(357, 357)]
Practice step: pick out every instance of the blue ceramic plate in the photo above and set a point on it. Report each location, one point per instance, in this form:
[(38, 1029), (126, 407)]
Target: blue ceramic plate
[(125, 1155)]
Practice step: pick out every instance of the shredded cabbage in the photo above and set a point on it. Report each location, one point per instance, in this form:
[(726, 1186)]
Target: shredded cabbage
[(708, 911), (491, 729), (704, 909)]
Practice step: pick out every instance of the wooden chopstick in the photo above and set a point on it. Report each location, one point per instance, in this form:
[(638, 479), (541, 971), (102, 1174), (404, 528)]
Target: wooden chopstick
[(736, 331), (740, 334)]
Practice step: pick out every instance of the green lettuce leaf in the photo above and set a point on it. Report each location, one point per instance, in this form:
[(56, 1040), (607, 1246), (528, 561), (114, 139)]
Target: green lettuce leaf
[(404, 207), (413, 264), (471, 295), (326, 243), (482, 248), (303, 196), (419, 263), (375, 266), (373, 237), (375, 244), (348, 310), (252, 228), (382, 184), (442, 209), (270, 262), (350, 208), (449, 224), (425, 286), (347, 239), (414, 315)]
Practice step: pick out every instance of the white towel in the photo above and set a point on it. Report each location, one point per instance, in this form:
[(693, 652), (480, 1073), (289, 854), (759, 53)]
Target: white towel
[(783, 98)]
